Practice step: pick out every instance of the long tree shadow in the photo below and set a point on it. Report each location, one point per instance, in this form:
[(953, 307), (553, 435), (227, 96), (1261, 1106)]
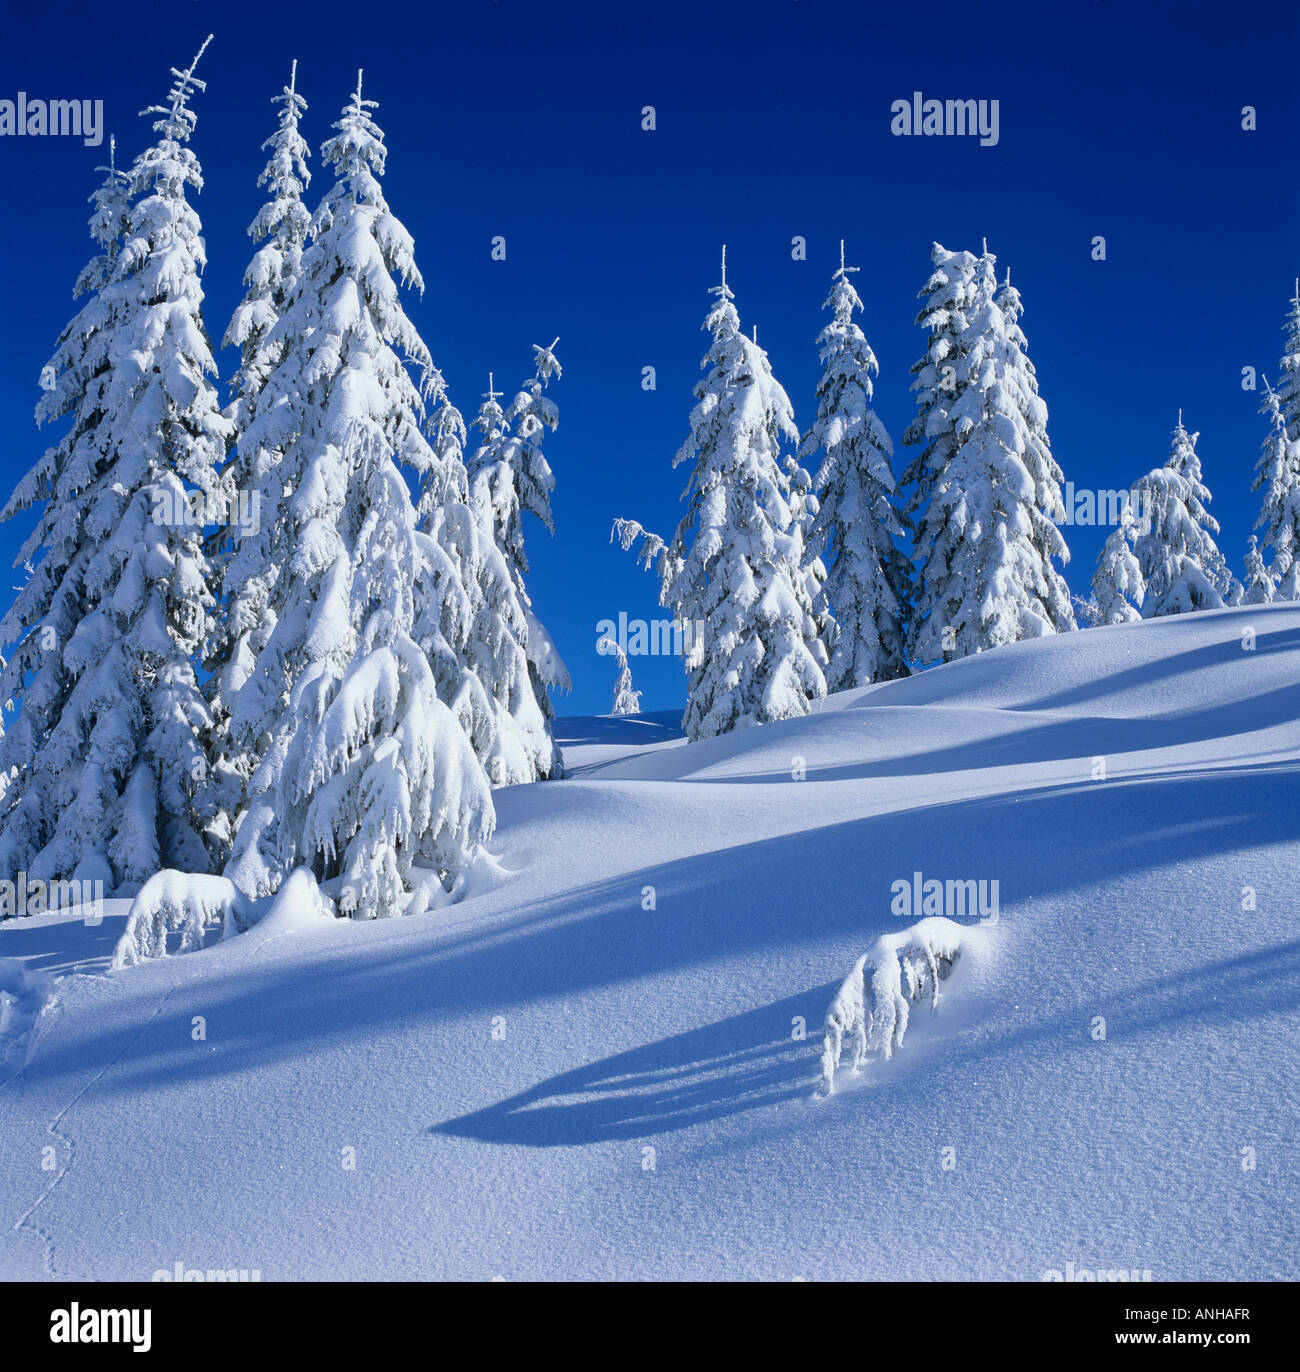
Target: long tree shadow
[(736, 1064)]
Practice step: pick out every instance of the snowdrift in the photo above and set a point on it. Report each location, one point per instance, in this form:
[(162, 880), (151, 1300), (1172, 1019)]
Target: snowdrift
[(605, 1065)]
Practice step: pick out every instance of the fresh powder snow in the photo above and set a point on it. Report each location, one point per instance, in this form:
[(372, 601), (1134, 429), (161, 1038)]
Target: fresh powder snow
[(608, 1063)]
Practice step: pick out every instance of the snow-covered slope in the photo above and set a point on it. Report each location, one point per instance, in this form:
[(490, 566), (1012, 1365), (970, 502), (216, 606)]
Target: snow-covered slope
[(553, 1080)]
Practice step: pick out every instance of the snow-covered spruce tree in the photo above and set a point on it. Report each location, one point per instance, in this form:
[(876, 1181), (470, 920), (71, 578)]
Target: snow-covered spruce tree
[(473, 623), (734, 571), (112, 781), (248, 553), (1047, 509), (1278, 476), (1259, 587), (804, 509), (1182, 568), (54, 600), (626, 700), (858, 529), (1288, 388), (1117, 584), (986, 478), (510, 476), (366, 778)]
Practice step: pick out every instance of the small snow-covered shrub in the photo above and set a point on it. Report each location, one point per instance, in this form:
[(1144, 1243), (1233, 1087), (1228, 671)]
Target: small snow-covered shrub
[(176, 902), (871, 1008), (179, 902)]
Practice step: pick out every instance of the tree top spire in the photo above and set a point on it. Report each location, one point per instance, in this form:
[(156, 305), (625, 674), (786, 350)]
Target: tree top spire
[(359, 106), (843, 271), (723, 290), (179, 121)]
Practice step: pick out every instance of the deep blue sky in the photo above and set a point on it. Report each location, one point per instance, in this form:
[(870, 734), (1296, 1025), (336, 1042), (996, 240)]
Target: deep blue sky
[(1122, 119)]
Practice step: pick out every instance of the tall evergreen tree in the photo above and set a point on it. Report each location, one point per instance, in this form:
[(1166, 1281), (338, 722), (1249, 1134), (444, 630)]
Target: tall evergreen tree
[(1278, 476), (1288, 388), (985, 477), (112, 779), (1181, 565), (1046, 510), (366, 777), (627, 701), (55, 599), (735, 566), (1260, 588), (1117, 584), (248, 554), (858, 528), (804, 510), (511, 477), (474, 620)]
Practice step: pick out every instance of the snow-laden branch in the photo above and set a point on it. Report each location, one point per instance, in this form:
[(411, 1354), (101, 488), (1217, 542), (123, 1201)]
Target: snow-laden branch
[(870, 1011), (628, 531)]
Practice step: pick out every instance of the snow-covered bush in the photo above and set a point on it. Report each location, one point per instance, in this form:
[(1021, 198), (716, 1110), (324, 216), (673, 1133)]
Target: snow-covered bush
[(180, 903), (872, 1007), (193, 906)]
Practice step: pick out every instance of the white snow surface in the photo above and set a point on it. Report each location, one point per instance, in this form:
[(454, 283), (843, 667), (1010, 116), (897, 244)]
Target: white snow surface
[(628, 1030)]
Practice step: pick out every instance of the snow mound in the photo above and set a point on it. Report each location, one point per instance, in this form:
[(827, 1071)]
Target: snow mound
[(23, 995)]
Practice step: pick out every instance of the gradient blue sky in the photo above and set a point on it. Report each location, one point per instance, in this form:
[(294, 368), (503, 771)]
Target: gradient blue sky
[(1121, 119)]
